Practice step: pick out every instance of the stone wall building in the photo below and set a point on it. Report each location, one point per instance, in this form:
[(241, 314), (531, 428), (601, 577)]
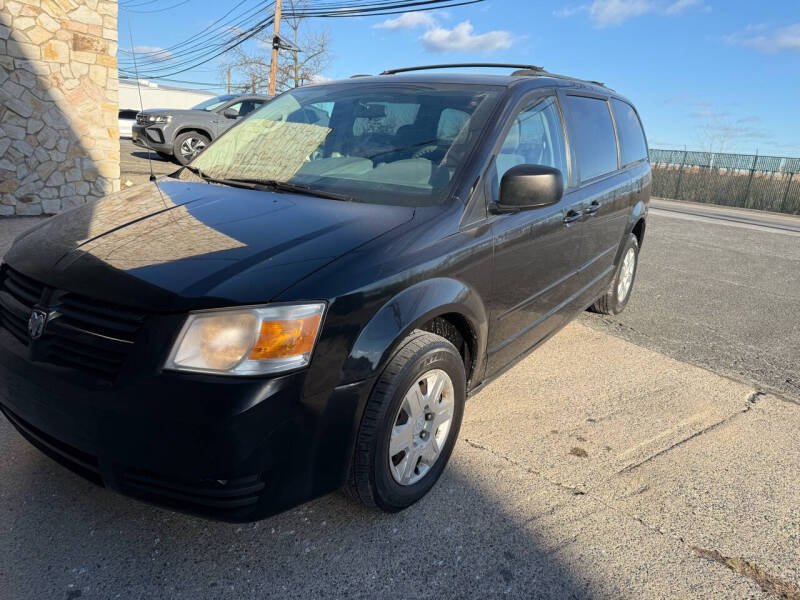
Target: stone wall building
[(59, 138)]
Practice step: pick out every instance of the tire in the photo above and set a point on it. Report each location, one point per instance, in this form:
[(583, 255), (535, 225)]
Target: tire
[(616, 297), (185, 142), (375, 476)]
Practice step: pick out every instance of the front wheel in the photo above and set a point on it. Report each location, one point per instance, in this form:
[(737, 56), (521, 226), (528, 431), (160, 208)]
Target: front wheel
[(410, 424), (616, 297), (188, 145)]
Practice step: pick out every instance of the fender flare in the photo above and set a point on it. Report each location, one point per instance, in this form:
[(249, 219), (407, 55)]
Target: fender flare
[(410, 309)]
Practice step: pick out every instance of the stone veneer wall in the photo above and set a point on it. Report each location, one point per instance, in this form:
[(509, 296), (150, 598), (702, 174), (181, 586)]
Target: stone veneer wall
[(59, 137)]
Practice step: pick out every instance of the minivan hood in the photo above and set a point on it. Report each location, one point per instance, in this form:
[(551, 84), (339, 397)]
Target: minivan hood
[(175, 244)]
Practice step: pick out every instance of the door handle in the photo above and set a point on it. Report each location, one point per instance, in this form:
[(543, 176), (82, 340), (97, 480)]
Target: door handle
[(592, 208), (572, 216)]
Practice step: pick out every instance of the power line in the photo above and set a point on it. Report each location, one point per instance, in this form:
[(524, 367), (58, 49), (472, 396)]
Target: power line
[(241, 23)]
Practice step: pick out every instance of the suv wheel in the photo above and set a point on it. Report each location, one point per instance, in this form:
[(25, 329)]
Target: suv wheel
[(188, 145), (619, 292), (410, 424)]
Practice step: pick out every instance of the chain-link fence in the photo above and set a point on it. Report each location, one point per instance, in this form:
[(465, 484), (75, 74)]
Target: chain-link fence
[(745, 180)]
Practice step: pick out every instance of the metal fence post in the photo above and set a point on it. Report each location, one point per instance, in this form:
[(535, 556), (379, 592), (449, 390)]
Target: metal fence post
[(680, 176), (750, 181)]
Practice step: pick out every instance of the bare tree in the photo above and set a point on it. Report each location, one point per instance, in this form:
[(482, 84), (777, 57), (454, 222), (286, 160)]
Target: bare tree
[(250, 69)]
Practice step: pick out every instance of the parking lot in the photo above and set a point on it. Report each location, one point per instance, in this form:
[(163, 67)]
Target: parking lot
[(649, 455)]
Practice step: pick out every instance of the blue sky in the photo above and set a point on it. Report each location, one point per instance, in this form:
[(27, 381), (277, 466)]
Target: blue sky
[(705, 74)]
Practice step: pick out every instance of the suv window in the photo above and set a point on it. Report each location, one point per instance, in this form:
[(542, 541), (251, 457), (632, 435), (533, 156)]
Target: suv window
[(536, 137), (632, 145), (594, 139), (245, 106)]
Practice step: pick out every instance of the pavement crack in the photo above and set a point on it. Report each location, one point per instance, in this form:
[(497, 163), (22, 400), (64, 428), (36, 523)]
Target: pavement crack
[(751, 400), (572, 490), (770, 584)]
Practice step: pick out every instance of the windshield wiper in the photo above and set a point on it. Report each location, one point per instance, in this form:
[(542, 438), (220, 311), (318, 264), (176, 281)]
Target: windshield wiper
[(294, 188), (273, 184), (242, 183)]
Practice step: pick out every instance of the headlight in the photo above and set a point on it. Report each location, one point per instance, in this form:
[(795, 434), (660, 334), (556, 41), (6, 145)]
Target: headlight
[(247, 341), (157, 118)]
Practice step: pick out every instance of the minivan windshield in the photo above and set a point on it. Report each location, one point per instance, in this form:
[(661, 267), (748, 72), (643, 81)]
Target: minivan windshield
[(386, 143), (213, 103)]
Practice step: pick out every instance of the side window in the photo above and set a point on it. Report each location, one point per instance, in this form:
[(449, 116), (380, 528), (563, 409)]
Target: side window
[(594, 141), (249, 106), (536, 137), (384, 117), (235, 107), (631, 137)]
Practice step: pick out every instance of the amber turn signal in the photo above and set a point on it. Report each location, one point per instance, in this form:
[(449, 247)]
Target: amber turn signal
[(282, 339)]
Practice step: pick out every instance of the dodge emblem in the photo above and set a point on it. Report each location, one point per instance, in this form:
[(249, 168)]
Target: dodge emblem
[(36, 323)]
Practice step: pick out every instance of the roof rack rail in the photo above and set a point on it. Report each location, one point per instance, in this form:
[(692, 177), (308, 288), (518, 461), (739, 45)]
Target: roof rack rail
[(463, 65), (527, 73), (521, 70)]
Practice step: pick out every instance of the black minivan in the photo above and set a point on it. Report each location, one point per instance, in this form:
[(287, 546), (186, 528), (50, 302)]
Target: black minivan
[(307, 305)]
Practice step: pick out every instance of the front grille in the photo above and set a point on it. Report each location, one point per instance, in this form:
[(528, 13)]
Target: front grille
[(232, 495), (92, 335), (18, 295), (77, 461), (81, 333)]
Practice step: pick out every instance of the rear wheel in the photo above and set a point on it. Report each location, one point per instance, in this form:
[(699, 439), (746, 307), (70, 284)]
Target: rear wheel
[(616, 297), (188, 145), (410, 424)]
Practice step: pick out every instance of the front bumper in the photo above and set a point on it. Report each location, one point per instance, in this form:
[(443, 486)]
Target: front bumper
[(234, 449), (151, 136)]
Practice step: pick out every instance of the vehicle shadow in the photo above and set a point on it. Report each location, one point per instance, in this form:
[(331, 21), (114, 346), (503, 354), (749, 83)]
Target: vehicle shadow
[(154, 156), (65, 538)]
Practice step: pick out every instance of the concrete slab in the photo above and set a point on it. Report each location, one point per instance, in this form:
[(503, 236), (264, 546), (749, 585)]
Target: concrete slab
[(588, 406)]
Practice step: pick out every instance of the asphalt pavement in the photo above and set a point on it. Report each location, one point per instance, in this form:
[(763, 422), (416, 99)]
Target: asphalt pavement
[(649, 455), (720, 288), (135, 165)]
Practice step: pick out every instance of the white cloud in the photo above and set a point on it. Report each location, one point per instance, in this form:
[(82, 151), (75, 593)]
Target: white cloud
[(604, 13), (571, 11), (761, 38), (463, 38), (679, 6), (157, 50), (614, 12), (317, 78), (408, 20)]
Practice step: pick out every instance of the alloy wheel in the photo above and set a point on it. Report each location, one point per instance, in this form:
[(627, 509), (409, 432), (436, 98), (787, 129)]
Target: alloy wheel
[(191, 147)]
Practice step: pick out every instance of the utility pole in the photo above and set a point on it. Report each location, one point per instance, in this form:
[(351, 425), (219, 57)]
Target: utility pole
[(276, 43), (229, 80)]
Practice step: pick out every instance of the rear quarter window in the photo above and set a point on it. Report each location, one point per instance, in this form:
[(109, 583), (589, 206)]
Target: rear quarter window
[(593, 136), (632, 144)]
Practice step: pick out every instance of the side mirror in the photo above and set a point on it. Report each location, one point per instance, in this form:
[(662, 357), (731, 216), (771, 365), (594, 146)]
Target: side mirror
[(229, 113), (529, 186)]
